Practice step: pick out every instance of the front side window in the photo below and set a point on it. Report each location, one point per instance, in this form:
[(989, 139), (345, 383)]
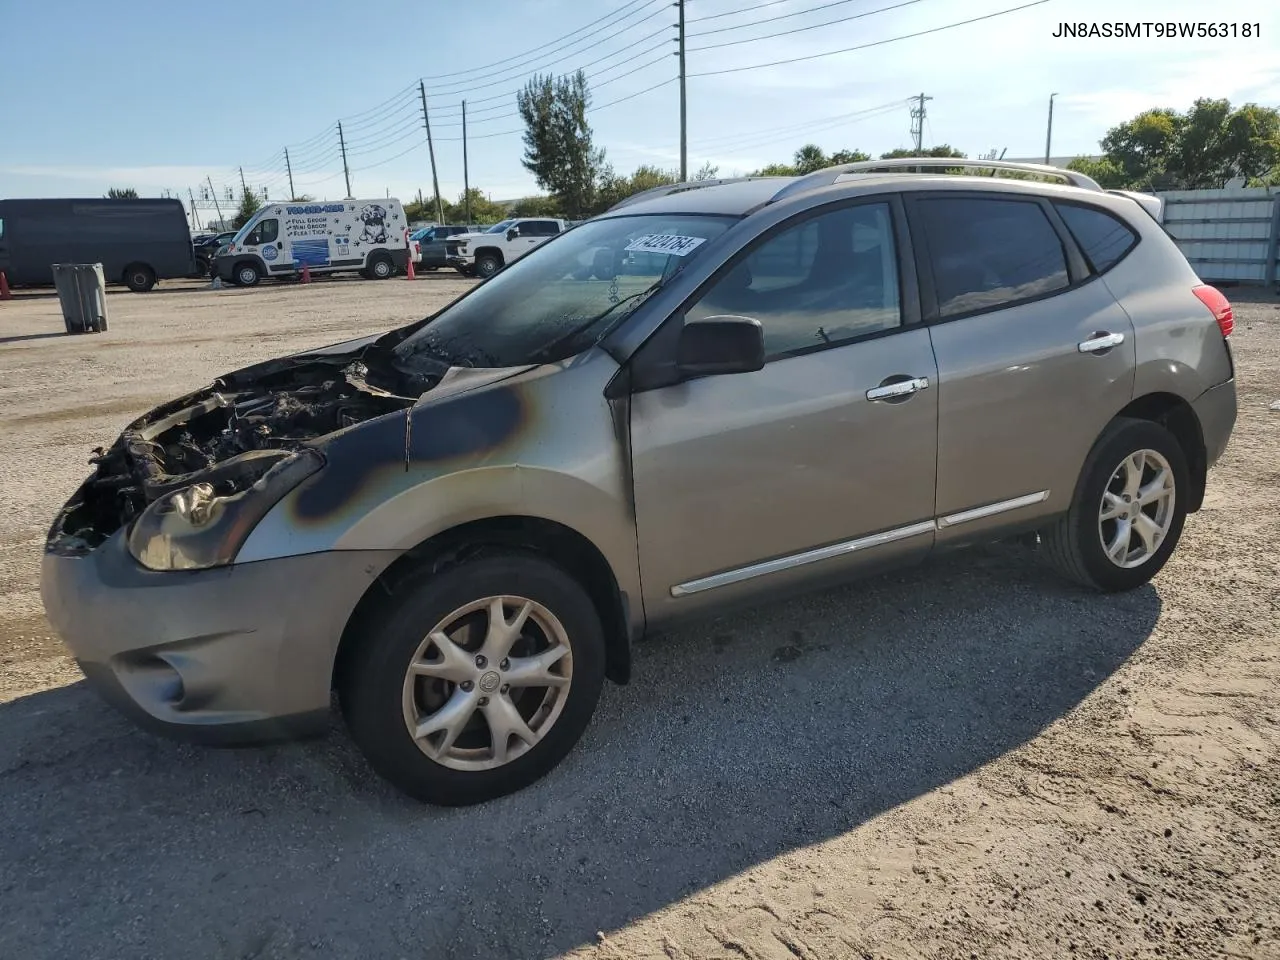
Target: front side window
[(265, 231), (1104, 239), (501, 226), (990, 253), (1, 228), (827, 280), (562, 297)]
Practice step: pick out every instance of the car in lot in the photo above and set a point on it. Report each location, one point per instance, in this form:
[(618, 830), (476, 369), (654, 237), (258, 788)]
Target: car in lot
[(485, 253), (429, 243), (713, 393), (206, 249)]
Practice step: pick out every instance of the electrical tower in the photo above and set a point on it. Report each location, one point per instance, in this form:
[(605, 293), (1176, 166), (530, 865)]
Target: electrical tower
[(918, 114)]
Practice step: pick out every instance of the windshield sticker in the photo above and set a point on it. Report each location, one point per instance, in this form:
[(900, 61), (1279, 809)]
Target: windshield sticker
[(665, 243)]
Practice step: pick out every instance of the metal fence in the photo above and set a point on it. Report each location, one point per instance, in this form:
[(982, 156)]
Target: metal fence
[(1229, 234)]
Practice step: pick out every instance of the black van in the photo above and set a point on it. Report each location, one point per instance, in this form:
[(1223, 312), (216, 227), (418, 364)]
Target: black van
[(137, 241)]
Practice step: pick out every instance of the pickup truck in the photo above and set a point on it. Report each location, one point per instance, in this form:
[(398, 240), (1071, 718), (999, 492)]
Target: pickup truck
[(484, 254)]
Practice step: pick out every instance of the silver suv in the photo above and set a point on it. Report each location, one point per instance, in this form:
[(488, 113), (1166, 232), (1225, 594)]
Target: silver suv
[(713, 392)]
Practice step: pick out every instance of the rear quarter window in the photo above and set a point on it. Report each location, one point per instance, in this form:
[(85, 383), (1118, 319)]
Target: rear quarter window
[(990, 253), (1104, 239)]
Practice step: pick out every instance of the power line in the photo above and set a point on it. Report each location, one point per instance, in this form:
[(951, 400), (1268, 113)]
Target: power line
[(732, 141), (876, 43), (814, 26), (781, 16), (730, 13)]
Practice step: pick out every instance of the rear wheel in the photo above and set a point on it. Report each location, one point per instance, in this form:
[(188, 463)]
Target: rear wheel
[(475, 682), (1128, 511), (139, 277), (380, 268)]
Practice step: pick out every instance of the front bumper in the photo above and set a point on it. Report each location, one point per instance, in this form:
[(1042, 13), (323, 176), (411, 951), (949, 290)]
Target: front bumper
[(236, 654), (1216, 411)]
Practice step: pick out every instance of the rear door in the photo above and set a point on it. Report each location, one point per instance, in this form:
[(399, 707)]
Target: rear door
[(1034, 357)]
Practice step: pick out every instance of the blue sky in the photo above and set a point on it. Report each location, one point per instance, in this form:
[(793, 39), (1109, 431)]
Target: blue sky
[(160, 95)]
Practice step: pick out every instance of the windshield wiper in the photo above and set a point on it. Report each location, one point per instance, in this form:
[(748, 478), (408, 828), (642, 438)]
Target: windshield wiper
[(541, 355)]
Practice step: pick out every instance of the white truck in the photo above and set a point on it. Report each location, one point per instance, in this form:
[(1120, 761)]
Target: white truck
[(484, 254), (369, 236)]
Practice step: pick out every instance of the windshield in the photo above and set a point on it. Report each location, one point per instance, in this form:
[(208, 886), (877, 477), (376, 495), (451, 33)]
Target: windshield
[(499, 227), (561, 298)]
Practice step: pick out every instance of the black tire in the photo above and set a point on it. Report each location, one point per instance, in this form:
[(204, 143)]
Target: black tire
[(139, 277), (487, 264), (380, 268), (372, 682), (203, 267), (1073, 544), (247, 274)]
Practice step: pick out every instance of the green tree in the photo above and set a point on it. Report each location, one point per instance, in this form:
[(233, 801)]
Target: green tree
[(612, 188), (848, 156), (810, 158), (776, 170), (122, 193), (1105, 171), (483, 210), (557, 139), (249, 205), (1142, 147), (942, 150), (536, 207), (706, 172)]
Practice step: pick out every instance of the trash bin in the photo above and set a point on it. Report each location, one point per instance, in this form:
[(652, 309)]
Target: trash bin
[(82, 294)]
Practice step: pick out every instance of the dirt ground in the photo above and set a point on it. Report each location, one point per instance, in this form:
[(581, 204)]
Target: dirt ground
[(970, 759)]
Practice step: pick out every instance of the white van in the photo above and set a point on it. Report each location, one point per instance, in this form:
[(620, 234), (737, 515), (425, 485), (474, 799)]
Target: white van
[(370, 236)]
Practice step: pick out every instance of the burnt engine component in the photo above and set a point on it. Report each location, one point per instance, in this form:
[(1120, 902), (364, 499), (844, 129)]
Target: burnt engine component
[(227, 438)]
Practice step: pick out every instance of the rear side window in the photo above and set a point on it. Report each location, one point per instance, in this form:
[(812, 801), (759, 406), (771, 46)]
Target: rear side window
[(990, 253), (1104, 239)]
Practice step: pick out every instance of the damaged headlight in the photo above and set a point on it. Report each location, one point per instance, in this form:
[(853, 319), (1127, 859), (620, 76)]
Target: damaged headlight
[(195, 528)]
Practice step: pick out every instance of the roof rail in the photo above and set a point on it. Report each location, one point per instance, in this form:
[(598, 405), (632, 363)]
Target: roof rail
[(830, 175), (667, 189)]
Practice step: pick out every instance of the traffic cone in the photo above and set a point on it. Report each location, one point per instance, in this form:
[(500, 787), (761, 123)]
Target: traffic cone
[(306, 273), (4, 287), (408, 273)]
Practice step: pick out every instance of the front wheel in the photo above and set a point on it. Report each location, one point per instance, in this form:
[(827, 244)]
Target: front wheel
[(473, 683), (248, 274), (1128, 510), (487, 265)]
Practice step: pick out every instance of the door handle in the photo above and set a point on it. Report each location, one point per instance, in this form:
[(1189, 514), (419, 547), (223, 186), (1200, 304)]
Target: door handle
[(1100, 341), (903, 388)]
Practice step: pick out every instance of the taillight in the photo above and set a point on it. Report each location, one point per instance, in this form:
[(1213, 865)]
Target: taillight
[(1218, 305)]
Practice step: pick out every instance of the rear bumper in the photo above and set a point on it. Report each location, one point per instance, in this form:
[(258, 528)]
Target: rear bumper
[(242, 653), (1216, 411)]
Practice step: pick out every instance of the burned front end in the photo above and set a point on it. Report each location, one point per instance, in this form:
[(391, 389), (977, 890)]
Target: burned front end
[(192, 478)]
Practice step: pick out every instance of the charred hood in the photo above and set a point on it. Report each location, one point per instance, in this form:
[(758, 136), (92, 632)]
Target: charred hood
[(228, 435)]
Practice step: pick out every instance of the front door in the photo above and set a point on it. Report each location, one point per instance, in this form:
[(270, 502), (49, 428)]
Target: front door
[(1021, 395), (823, 459), (265, 240)]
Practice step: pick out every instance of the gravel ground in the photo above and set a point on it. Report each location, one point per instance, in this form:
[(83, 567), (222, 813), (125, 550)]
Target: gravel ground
[(968, 759)]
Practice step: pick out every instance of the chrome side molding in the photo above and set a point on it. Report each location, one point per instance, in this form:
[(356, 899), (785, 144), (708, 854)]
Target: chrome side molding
[(794, 560)]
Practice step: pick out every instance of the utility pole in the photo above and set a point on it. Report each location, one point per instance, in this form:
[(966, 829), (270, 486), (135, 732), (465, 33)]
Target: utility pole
[(243, 188), (917, 121), (214, 193), (431, 151), (684, 134), (288, 166), (194, 212), (346, 173), (1048, 136), (466, 178)]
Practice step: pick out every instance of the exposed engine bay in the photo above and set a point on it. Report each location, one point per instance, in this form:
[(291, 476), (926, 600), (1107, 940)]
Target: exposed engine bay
[(226, 436)]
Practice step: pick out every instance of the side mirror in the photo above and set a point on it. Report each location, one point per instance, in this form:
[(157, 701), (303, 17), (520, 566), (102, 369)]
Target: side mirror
[(513, 232), (722, 344)]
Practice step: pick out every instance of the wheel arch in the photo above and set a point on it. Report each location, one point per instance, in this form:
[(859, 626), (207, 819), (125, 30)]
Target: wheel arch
[(1178, 417), (549, 539), (496, 251)]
